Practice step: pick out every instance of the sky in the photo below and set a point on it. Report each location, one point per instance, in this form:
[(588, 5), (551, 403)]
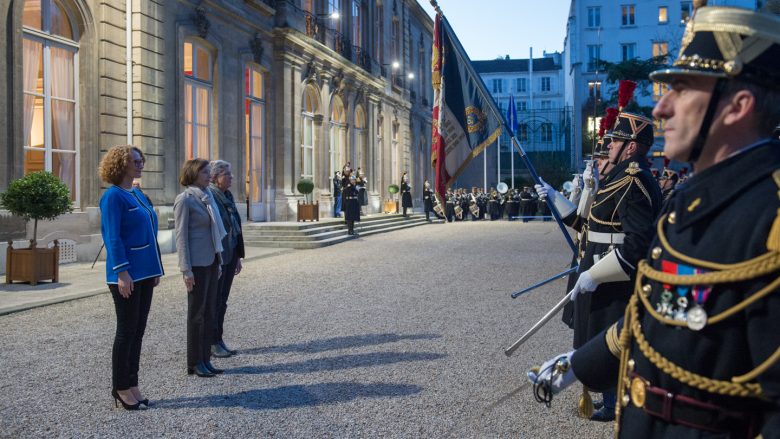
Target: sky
[(488, 29)]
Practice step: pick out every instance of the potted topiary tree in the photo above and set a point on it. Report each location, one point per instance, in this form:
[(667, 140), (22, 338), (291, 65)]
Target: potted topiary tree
[(391, 205), (36, 196), (307, 210)]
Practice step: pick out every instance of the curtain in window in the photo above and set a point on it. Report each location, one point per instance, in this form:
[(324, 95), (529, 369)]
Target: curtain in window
[(63, 116), (31, 57)]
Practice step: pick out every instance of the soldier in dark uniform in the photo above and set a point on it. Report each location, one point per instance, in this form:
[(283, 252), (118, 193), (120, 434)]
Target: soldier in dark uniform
[(667, 180), (427, 200), (449, 205), (619, 230), (526, 203), (697, 353), (406, 193), (351, 203)]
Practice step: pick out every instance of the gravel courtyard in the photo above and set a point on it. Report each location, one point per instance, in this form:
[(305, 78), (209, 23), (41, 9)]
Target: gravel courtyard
[(394, 335)]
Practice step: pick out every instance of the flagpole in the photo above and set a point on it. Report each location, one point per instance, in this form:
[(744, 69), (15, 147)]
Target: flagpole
[(498, 154), (484, 171), (497, 114)]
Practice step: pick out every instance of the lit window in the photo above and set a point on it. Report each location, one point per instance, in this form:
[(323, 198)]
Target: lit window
[(659, 89), (660, 49), (254, 123), (361, 146), (628, 18), (594, 89), (311, 106), (51, 102), (338, 135), (663, 15), (198, 90)]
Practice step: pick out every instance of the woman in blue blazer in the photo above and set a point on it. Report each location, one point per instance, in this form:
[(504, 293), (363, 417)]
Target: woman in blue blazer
[(133, 266)]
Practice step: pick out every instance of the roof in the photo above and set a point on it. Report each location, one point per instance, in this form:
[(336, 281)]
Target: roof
[(514, 65)]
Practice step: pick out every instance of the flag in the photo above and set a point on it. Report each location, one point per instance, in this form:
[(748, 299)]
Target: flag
[(511, 115), (465, 118)]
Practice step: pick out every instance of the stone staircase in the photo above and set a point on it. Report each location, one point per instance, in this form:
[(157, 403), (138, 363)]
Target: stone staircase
[(327, 231)]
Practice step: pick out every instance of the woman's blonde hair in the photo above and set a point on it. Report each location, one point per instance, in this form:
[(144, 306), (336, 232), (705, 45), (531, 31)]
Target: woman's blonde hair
[(113, 166)]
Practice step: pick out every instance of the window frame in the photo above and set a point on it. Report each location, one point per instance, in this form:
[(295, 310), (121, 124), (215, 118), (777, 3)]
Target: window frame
[(192, 81), (665, 14), (625, 48), (250, 102), (49, 40), (594, 17), (628, 15)]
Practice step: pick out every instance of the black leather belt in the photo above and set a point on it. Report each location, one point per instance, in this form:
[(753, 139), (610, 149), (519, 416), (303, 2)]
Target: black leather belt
[(351, 198), (690, 412)]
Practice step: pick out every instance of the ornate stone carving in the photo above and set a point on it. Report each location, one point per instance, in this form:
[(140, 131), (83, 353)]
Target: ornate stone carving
[(256, 44), (201, 21)]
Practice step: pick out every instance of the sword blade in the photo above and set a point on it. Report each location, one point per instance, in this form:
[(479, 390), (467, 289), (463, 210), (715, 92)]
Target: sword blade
[(550, 314), (516, 294)]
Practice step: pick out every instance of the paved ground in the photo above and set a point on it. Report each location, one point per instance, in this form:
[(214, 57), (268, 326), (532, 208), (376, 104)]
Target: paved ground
[(394, 335)]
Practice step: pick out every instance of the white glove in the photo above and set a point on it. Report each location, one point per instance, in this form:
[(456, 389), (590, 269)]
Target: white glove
[(576, 190), (561, 203), (557, 371), (590, 176), (543, 189), (585, 284)]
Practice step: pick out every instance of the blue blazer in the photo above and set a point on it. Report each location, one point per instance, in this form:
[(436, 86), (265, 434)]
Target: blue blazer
[(129, 227)]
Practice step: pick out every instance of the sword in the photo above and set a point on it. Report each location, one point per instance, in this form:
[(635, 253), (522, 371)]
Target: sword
[(516, 294), (97, 255), (550, 314)]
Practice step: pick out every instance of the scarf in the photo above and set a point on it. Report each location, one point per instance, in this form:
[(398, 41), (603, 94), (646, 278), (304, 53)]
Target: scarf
[(234, 222), (217, 228)]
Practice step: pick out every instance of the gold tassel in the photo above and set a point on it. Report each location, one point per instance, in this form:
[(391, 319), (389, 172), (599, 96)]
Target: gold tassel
[(586, 404), (773, 240)]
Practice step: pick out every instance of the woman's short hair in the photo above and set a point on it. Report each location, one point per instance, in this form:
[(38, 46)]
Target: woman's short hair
[(219, 167), (113, 166), (190, 169)]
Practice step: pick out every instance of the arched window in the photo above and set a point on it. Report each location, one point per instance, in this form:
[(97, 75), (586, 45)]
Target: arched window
[(311, 106), (254, 116), (198, 95), (394, 169), (338, 135), (361, 146), (51, 101)]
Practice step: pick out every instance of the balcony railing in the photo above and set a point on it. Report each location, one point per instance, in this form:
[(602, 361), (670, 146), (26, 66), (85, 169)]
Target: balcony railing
[(361, 58)]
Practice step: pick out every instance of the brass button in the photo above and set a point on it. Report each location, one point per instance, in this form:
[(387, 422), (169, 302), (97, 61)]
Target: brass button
[(672, 217), (647, 289), (631, 365), (625, 400), (656, 252), (638, 392)]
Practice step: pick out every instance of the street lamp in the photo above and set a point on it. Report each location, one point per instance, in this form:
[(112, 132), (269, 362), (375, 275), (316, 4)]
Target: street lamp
[(410, 75), (334, 15)]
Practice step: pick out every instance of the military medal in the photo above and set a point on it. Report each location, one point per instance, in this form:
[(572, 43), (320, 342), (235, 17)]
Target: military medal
[(696, 318)]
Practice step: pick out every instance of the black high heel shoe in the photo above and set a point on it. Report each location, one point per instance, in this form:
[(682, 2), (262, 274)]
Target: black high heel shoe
[(212, 368), (200, 370), (118, 399)]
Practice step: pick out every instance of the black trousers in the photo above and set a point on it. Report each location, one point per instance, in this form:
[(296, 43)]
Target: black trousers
[(131, 316), (223, 291), (201, 313)]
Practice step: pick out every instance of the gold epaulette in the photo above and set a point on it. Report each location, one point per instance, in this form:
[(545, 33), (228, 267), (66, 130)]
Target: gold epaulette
[(773, 240)]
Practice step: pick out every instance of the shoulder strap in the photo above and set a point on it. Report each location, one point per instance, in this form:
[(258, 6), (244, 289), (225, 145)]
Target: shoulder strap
[(773, 240)]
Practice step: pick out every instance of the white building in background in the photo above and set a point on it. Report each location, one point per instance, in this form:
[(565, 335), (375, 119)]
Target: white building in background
[(544, 121), (615, 31)]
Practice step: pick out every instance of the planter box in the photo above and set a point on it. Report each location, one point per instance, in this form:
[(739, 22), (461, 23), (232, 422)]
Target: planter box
[(32, 264), (390, 207), (308, 212)]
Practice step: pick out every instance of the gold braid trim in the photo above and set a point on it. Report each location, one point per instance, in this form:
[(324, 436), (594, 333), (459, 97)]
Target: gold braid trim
[(730, 388), (612, 190), (613, 341)]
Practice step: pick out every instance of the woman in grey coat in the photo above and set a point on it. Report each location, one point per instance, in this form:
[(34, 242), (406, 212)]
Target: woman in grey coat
[(199, 233)]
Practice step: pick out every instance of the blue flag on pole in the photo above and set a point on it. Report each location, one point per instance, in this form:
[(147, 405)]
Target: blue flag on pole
[(511, 115)]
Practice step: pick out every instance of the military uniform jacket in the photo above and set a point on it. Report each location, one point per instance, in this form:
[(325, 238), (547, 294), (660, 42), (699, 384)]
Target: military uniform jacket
[(406, 195), (428, 200), (724, 215), (351, 202), (626, 204)]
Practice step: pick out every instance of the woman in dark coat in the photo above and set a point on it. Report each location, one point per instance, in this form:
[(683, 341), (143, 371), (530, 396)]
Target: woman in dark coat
[(362, 191), (406, 193)]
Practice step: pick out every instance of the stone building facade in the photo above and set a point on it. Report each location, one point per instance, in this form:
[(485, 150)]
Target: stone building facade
[(282, 89)]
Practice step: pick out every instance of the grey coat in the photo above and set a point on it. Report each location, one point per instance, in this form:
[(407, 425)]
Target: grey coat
[(193, 233)]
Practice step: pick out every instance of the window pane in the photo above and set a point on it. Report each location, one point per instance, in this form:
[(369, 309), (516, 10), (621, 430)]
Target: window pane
[(64, 125), (62, 78), (32, 14), (307, 159), (188, 140), (188, 103), (257, 84), (257, 150), (307, 131), (203, 142), (203, 68), (63, 165), (34, 120), (202, 106), (60, 23), (188, 59), (32, 77), (33, 161), (663, 14)]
